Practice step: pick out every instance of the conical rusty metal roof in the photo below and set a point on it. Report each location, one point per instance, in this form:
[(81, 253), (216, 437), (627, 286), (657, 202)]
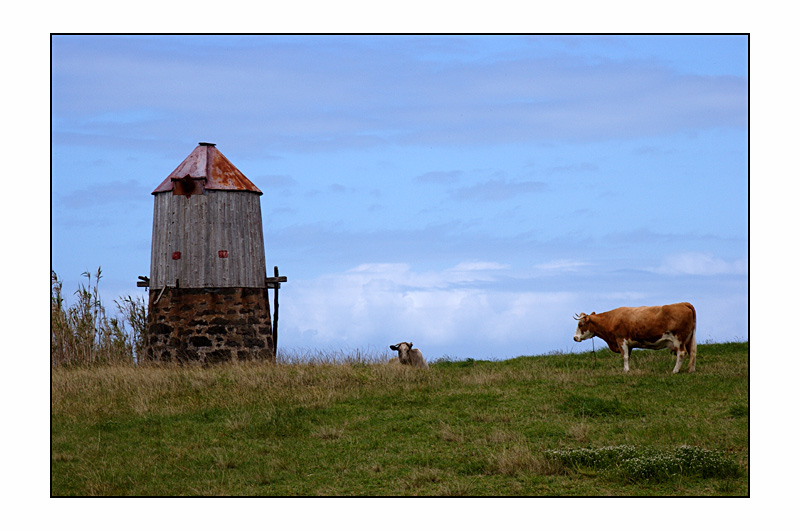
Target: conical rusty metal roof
[(210, 166)]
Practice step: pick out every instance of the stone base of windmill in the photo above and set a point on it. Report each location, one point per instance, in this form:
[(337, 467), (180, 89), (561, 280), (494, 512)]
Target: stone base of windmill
[(209, 325)]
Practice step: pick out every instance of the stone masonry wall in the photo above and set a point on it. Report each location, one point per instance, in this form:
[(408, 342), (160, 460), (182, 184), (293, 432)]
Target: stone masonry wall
[(209, 325)]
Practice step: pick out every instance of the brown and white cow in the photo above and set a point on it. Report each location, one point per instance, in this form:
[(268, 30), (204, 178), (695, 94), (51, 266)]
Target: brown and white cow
[(408, 355), (671, 326)]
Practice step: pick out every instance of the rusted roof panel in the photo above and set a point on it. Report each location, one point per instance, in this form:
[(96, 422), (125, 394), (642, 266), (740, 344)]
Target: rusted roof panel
[(207, 163)]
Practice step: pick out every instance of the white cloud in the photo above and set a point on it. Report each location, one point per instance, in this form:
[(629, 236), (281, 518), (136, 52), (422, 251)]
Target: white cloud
[(561, 265), (693, 263), (479, 266), (451, 312)]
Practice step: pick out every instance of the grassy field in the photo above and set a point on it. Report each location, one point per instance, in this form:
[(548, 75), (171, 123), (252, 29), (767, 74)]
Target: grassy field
[(556, 425)]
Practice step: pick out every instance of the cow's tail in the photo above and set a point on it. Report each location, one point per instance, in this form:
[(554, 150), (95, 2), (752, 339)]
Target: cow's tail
[(692, 342)]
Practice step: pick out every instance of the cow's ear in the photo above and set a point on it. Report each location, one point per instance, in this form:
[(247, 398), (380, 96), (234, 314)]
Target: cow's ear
[(410, 345), (393, 347)]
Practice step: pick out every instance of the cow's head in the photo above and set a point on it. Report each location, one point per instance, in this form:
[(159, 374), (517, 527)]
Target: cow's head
[(585, 328), (402, 351)]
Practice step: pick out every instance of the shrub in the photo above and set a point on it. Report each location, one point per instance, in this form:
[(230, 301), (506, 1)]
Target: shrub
[(706, 463), (647, 464), (595, 458), (654, 467)]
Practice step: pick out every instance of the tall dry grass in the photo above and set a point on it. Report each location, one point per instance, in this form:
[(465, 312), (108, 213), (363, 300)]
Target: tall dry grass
[(332, 356), (84, 333)]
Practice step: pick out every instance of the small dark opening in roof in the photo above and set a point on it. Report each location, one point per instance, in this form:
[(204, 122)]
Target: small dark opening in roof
[(207, 144), (187, 186)]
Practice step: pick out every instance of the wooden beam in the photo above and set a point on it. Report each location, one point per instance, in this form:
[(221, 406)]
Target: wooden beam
[(275, 282)]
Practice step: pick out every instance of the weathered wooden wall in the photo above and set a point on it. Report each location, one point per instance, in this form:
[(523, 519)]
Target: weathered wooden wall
[(199, 226)]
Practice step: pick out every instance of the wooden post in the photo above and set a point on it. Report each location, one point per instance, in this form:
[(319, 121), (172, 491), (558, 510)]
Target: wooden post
[(275, 316), (274, 283)]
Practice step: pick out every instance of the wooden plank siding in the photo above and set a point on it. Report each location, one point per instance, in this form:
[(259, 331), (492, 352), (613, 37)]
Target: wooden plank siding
[(200, 226)]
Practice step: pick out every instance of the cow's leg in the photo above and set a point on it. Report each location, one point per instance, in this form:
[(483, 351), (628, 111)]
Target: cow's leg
[(625, 354), (679, 359), (692, 352)]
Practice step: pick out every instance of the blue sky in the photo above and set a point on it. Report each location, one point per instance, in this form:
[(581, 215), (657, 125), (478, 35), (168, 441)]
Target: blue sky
[(466, 193)]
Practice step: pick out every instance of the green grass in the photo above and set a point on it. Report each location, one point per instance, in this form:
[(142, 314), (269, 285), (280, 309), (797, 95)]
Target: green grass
[(463, 428)]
